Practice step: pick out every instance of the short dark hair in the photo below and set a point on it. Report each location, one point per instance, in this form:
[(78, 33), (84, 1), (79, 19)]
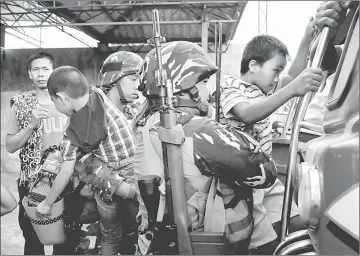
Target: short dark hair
[(40, 55), (69, 80), (261, 49)]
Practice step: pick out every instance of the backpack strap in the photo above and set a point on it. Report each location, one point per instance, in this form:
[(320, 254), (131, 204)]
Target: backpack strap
[(184, 119)]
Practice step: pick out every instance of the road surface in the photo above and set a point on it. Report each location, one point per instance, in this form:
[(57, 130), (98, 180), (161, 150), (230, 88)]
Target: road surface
[(12, 241)]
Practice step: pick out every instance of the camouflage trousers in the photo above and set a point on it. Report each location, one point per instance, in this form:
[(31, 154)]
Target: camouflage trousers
[(117, 219)]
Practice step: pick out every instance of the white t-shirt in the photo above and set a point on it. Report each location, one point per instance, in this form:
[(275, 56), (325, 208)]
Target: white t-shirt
[(53, 127)]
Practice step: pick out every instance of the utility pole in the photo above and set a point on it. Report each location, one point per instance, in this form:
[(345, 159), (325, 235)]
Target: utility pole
[(262, 17)]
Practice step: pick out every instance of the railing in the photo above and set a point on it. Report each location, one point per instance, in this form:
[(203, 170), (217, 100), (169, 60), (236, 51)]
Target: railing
[(299, 116)]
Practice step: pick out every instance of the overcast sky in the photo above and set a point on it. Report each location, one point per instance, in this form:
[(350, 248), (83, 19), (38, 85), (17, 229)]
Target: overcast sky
[(286, 20)]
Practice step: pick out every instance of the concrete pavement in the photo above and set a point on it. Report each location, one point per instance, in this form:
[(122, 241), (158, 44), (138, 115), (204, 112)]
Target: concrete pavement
[(12, 241)]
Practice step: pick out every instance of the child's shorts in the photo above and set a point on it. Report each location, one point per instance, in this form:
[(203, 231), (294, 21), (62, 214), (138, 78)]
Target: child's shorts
[(273, 200), (267, 210)]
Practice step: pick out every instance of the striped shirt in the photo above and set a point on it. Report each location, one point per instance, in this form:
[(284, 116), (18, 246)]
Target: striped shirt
[(119, 146), (235, 91)]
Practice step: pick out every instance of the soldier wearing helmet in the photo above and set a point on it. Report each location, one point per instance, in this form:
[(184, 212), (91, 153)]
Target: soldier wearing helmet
[(188, 68), (119, 81), (185, 65)]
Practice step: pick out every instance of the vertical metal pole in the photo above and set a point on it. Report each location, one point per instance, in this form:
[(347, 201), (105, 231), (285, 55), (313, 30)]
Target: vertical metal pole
[(262, 17), (266, 17), (290, 117), (204, 30), (218, 53), (173, 169), (40, 38), (2, 35), (259, 26)]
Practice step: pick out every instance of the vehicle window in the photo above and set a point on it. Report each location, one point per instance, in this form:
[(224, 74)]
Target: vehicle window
[(346, 67)]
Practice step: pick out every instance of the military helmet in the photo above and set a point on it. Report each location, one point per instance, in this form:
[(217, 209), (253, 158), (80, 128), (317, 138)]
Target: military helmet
[(185, 64), (116, 66)]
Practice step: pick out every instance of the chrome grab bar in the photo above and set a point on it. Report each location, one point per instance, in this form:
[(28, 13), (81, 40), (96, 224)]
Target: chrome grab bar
[(290, 117), (291, 238), (304, 101), (298, 246), (218, 56)]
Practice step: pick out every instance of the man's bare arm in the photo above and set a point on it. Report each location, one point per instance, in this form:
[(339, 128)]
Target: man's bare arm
[(8, 202), (15, 138), (62, 179), (16, 141)]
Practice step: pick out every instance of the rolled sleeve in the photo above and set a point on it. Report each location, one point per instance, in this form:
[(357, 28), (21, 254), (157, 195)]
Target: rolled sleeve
[(69, 150)]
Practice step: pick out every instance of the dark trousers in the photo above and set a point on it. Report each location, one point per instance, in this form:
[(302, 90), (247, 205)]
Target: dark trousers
[(33, 246), (130, 226)]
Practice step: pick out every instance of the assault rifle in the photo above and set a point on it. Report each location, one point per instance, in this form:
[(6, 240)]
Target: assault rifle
[(171, 235)]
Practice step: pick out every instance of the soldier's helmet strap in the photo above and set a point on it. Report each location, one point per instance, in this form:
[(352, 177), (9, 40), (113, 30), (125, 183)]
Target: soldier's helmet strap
[(194, 94), (121, 93), (118, 86)]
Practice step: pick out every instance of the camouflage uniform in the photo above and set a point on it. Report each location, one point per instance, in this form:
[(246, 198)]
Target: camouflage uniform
[(185, 65), (116, 66), (210, 150)]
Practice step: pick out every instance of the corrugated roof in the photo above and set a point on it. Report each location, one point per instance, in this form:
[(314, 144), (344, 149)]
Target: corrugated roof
[(130, 22)]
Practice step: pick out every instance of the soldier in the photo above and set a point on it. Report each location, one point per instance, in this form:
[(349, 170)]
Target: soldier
[(188, 67), (119, 81)]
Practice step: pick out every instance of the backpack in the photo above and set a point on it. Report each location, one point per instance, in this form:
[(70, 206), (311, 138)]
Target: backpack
[(238, 157), (225, 154)]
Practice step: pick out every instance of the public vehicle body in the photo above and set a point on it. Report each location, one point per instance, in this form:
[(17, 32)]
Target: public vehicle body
[(326, 175), (324, 179)]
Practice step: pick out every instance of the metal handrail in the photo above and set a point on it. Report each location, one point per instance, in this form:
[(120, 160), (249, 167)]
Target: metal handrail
[(293, 237), (297, 246), (304, 102), (290, 117), (218, 55), (295, 104)]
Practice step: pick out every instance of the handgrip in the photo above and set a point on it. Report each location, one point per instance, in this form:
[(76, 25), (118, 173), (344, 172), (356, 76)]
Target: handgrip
[(304, 102)]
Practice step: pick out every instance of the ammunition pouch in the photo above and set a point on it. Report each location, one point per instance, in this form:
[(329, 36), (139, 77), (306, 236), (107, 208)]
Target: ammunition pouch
[(93, 171)]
